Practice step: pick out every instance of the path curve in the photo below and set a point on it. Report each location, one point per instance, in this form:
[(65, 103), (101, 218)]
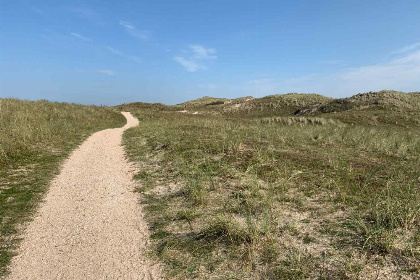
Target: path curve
[(90, 225)]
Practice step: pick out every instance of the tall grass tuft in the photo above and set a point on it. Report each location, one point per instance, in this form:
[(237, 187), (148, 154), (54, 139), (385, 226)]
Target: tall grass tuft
[(27, 127)]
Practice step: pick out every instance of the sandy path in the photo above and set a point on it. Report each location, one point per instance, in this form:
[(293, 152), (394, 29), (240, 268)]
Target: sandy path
[(90, 225)]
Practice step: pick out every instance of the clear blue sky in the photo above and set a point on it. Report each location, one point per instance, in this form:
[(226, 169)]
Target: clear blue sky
[(110, 52)]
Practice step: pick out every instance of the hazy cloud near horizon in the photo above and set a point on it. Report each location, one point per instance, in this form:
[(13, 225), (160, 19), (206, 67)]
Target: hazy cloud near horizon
[(400, 73)]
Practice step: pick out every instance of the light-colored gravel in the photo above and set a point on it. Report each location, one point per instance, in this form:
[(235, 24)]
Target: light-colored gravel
[(90, 225)]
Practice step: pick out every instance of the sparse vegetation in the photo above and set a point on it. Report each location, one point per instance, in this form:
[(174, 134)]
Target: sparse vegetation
[(375, 108), (204, 101), (230, 194), (35, 136), (272, 105)]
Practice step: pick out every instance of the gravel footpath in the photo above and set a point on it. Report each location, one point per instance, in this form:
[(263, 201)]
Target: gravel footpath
[(90, 225)]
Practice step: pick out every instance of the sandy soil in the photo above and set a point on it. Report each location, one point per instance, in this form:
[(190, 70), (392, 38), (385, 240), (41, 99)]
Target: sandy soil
[(90, 225)]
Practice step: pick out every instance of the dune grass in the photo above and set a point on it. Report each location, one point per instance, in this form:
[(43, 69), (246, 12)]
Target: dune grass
[(35, 136), (278, 197)]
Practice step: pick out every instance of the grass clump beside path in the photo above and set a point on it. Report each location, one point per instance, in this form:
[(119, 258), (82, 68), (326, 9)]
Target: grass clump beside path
[(281, 198), (35, 136)]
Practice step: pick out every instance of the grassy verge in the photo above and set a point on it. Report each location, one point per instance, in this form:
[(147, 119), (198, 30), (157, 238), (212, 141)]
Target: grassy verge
[(35, 138), (280, 198)]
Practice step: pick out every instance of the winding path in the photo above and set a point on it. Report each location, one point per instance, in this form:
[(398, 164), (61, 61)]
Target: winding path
[(90, 225)]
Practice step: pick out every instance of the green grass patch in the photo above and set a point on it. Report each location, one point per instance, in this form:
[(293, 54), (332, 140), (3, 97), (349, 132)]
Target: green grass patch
[(267, 197)]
